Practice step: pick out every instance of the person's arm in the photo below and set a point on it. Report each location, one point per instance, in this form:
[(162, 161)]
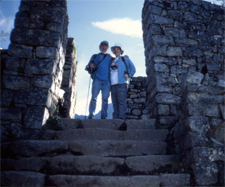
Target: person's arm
[(131, 68), (90, 64)]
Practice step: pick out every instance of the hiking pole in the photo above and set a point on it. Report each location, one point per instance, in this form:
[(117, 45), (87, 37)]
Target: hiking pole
[(88, 96)]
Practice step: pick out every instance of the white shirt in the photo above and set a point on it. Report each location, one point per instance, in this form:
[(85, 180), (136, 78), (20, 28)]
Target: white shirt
[(114, 72)]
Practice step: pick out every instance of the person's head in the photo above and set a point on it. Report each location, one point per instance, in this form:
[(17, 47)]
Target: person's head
[(103, 47), (117, 49)]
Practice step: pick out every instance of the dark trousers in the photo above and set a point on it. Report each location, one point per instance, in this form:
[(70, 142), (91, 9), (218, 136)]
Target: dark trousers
[(119, 95)]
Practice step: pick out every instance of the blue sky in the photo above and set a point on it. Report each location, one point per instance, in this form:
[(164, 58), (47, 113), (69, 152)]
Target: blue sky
[(90, 22)]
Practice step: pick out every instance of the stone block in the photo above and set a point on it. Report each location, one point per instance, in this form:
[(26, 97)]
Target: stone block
[(12, 63), (193, 77), (162, 40), (185, 42), (168, 61), (140, 100), (35, 96), (11, 114), (159, 20), (175, 15), (20, 51), (174, 32), (136, 112), (222, 108), (36, 117), (155, 29), (35, 37), (195, 140), (155, 9), (162, 79), (89, 163), (205, 173), (43, 81), (163, 110), (196, 9), (183, 5), (220, 84), (190, 17), (40, 67), (161, 68), (46, 52), (195, 52), (15, 83), (175, 180), (164, 98), (6, 98), (206, 154), (22, 178), (34, 148), (119, 181), (166, 120), (178, 70), (28, 23), (208, 110), (174, 51), (57, 27), (158, 50), (190, 62)]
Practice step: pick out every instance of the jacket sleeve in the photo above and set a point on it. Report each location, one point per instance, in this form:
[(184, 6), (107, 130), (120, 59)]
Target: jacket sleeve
[(131, 67), (86, 67)]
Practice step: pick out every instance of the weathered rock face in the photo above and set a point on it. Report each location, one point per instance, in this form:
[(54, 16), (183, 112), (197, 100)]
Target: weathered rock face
[(33, 68)]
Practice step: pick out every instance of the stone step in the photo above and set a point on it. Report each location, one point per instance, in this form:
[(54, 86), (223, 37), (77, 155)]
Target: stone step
[(107, 134), (32, 148), (118, 148), (27, 178), (104, 181), (66, 123), (70, 164)]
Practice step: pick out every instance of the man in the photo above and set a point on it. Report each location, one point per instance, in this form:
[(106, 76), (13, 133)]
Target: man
[(98, 66)]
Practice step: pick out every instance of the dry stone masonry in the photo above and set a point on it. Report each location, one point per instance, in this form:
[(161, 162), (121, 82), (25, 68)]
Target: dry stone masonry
[(137, 107), (174, 135), (39, 58), (184, 49)]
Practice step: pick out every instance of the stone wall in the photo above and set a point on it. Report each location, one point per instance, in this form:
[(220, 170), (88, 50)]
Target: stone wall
[(200, 128), (137, 106), (69, 79), (180, 36), (184, 48), (33, 66)]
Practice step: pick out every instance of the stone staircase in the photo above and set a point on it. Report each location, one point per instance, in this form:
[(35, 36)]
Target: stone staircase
[(109, 153)]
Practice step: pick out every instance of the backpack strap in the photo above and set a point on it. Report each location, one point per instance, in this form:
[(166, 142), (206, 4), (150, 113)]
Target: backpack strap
[(124, 62), (102, 60), (94, 58)]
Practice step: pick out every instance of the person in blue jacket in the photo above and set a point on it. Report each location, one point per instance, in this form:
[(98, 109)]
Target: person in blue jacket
[(98, 67), (121, 70)]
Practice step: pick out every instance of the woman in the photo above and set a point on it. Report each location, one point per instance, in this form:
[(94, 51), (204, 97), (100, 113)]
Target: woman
[(121, 70)]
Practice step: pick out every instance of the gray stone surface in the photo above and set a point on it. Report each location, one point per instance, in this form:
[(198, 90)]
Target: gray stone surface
[(205, 173), (164, 98), (118, 148), (15, 83), (15, 178), (209, 110), (6, 98), (175, 180), (36, 117), (46, 52), (198, 124), (206, 154), (195, 140), (174, 51), (31, 148), (11, 114), (40, 67), (88, 181), (20, 51), (94, 164), (149, 163)]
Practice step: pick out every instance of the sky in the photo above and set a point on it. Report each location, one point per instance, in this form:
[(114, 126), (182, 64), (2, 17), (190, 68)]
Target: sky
[(90, 22)]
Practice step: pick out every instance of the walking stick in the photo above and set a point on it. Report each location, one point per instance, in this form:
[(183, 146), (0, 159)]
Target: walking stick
[(88, 96)]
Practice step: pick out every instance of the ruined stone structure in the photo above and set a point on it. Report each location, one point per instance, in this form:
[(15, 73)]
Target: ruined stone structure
[(176, 135), (39, 58), (184, 49)]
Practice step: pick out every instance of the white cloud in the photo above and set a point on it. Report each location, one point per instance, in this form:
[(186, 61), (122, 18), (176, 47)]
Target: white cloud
[(124, 26)]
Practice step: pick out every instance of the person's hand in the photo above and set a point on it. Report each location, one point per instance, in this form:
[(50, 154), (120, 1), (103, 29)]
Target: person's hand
[(126, 76), (91, 65), (126, 56)]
